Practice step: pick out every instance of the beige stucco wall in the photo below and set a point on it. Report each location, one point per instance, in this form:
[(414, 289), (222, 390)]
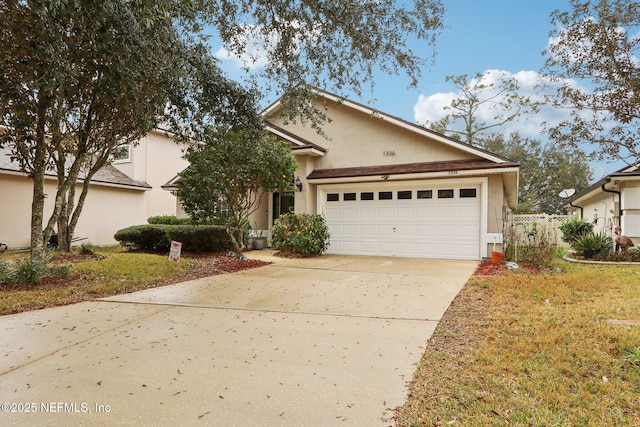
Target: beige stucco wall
[(106, 210), (156, 159), (354, 138), (607, 208)]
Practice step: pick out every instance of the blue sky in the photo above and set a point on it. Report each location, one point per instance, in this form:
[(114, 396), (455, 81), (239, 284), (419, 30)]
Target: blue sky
[(504, 35)]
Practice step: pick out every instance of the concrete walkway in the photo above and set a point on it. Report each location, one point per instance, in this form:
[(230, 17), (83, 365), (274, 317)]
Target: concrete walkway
[(315, 342)]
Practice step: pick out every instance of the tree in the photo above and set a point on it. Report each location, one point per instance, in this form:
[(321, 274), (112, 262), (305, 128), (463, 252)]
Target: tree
[(229, 174), (594, 53), (79, 77), (334, 45), (485, 101), (545, 170)]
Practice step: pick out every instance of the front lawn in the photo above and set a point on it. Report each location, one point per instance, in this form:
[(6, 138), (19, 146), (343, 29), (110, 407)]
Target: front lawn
[(112, 271), (527, 349)]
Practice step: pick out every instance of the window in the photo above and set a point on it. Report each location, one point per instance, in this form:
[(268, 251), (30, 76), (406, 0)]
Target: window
[(467, 193), (425, 194), (385, 195), (121, 154), (404, 195), (333, 197), (348, 196), (366, 196), (445, 194)]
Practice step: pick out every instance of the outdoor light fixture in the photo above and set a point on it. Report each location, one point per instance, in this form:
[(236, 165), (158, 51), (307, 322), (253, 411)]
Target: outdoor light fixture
[(385, 177), (298, 183)]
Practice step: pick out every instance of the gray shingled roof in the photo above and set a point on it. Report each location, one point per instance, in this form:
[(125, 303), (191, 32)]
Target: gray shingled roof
[(107, 175)]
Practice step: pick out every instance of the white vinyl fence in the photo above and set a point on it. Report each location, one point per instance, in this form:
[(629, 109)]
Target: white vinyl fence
[(523, 224)]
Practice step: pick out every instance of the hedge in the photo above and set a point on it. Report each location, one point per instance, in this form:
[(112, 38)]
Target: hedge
[(194, 238)]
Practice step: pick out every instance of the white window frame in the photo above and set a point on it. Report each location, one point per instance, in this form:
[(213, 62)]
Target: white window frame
[(124, 159)]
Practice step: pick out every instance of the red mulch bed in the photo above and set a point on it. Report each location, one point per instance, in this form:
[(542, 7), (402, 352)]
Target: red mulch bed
[(487, 268)]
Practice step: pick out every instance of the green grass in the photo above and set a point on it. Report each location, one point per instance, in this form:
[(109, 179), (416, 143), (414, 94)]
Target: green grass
[(534, 350), (120, 272)]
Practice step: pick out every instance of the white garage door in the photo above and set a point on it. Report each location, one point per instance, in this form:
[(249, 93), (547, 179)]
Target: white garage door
[(422, 222)]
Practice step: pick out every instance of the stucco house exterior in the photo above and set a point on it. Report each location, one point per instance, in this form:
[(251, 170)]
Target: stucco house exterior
[(389, 187), (124, 193), (614, 200)]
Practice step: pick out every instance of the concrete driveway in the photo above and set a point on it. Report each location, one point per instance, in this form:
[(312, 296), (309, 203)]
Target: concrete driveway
[(315, 342)]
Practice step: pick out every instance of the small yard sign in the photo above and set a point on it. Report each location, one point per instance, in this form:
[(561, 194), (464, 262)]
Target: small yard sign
[(174, 252)]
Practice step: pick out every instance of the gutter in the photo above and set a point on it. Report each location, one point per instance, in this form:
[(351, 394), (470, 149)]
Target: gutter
[(608, 180), (579, 207)]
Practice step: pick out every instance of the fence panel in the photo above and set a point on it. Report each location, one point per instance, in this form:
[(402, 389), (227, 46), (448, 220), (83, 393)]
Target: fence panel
[(520, 224)]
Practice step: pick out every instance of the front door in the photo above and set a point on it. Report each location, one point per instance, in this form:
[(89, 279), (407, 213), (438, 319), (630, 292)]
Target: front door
[(282, 203)]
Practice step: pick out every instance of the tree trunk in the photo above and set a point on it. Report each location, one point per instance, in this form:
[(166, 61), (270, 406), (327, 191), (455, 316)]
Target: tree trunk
[(37, 208)]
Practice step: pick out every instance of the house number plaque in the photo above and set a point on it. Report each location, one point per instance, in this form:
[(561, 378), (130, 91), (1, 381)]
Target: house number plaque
[(389, 153)]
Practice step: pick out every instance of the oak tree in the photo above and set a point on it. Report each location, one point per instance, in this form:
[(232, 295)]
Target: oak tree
[(593, 55)]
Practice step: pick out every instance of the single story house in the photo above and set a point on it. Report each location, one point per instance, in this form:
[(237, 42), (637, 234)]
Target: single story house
[(389, 187), (614, 200), (123, 193)]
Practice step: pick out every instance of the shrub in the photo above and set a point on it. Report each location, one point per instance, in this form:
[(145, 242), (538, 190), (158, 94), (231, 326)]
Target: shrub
[(535, 245), (593, 244), (29, 272), (168, 220), (575, 228), (158, 237), (86, 248), (304, 234)]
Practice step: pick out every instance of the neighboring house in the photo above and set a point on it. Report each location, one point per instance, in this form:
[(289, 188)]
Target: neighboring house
[(389, 187), (612, 201), (124, 193)]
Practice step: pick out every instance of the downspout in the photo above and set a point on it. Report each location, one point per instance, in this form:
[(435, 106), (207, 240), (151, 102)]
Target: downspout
[(608, 180), (579, 207)]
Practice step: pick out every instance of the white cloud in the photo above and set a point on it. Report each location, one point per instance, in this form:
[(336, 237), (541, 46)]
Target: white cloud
[(254, 43), (430, 108), (252, 50)]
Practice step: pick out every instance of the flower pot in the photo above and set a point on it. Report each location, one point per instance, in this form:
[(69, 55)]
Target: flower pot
[(259, 243), (589, 254), (496, 257)]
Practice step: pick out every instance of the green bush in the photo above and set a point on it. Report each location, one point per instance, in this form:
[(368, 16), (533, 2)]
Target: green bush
[(195, 238), (304, 234), (168, 220), (593, 244), (575, 228), (29, 272), (86, 248)]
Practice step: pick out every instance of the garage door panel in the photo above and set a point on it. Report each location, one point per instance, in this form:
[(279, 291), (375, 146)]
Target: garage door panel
[(405, 212), (425, 231), (350, 213), (424, 228)]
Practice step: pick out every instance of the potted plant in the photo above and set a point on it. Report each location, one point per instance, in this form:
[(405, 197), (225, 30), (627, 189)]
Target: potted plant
[(592, 244), (258, 241)]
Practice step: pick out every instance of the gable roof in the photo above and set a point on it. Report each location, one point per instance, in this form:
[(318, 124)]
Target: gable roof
[(412, 127), (106, 176), (627, 173)]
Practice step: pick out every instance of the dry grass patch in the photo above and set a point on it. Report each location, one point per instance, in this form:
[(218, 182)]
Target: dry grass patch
[(534, 349)]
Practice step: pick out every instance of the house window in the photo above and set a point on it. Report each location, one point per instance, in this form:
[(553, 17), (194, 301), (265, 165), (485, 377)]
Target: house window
[(468, 193), (121, 154), (404, 195), (333, 197), (425, 194), (445, 194), (347, 197), (366, 196), (385, 195)]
